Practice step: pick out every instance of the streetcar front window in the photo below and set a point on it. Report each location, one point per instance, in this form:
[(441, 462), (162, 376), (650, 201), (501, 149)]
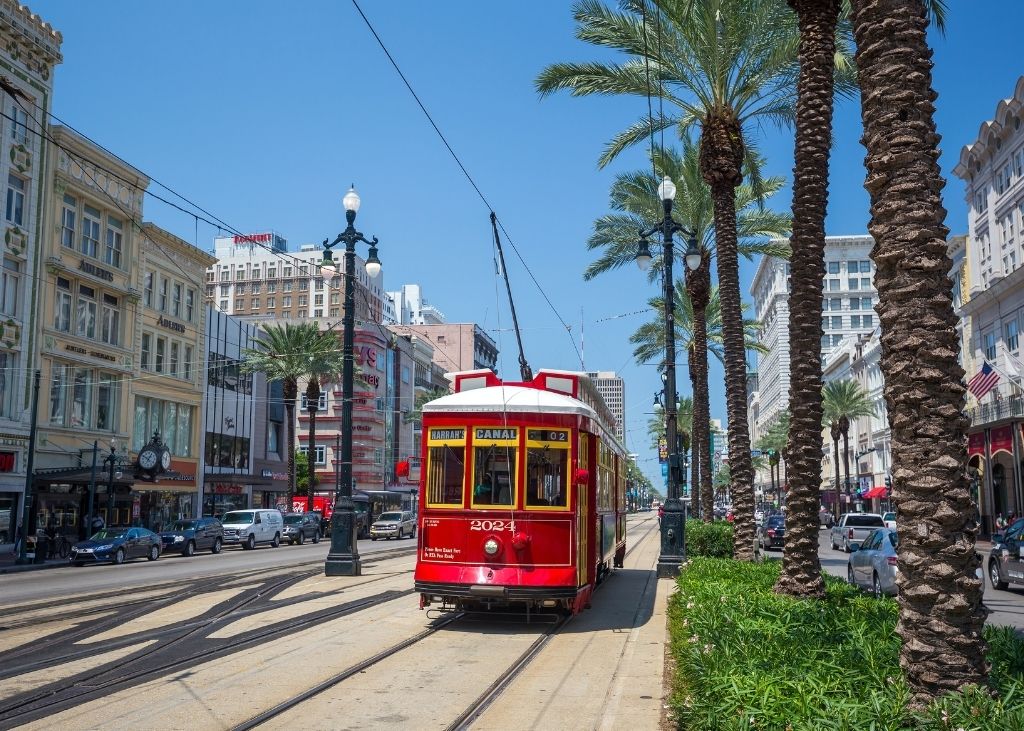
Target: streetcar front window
[(547, 477), (445, 475), (494, 471)]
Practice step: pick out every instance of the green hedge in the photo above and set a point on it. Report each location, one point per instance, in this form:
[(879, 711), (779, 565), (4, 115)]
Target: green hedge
[(749, 659), (710, 540)]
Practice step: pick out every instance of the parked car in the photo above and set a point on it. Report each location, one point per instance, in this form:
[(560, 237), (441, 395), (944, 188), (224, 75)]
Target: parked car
[(393, 524), (1005, 566), (826, 519), (889, 519), (853, 528), (5, 526), (116, 545), (251, 527), (873, 565), (324, 523), (189, 536), (300, 526), (772, 532)]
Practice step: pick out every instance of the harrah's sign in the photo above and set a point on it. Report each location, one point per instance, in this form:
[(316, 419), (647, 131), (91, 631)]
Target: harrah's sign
[(255, 239)]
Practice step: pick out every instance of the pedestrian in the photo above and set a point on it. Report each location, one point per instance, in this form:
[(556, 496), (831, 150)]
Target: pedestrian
[(98, 523)]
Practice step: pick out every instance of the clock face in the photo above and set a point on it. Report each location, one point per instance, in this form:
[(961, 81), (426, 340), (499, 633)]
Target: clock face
[(165, 460), (147, 459)]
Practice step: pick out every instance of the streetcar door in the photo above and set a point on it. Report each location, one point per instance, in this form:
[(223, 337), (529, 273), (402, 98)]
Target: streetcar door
[(582, 546)]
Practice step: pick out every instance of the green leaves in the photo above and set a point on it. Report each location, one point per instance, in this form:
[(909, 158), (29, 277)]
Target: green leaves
[(748, 658)]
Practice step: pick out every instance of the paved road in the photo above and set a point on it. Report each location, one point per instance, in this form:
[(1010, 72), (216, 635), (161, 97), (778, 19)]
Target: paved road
[(1006, 607), (69, 581)]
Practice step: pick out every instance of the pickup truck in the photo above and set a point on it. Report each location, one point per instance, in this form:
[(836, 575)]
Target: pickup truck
[(853, 528)]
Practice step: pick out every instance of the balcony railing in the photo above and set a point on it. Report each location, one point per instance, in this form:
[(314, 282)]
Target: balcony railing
[(1003, 402)]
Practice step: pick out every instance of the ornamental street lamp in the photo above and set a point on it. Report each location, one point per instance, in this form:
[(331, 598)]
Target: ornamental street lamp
[(343, 558), (674, 521)]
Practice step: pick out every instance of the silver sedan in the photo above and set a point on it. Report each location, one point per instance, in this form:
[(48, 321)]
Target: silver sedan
[(873, 566)]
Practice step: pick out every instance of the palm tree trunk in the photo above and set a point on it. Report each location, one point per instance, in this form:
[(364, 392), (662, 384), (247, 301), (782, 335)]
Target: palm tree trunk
[(697, 437), (721, 161), (290, 394), (312, 404), (941, 615), (846, 462), (801, 568), (700, 294), (835, 449)]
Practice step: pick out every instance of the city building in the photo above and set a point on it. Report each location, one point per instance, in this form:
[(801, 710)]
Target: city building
[(30, 50), (992, 305), (231, 479), (88, 330), (255, 277), (613, 390), (457, 346), (849, 299), (412, 308), (166, 393)]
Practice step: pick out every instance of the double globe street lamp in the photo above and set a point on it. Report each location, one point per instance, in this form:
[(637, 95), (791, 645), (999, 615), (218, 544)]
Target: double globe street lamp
[(673, 523), (343, 558)]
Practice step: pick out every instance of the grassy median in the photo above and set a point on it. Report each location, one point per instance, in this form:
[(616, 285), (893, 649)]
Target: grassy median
[(746, 658)]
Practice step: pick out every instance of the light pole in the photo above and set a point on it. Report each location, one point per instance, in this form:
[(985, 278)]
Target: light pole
[(674, 521), (112, 460), (343, 558)]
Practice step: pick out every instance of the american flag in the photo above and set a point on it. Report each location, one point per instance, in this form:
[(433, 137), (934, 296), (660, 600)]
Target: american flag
[(984, 381)]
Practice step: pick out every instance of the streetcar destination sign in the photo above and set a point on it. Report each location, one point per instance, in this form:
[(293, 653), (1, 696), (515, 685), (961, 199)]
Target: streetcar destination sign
[(536, 435), (447, 433), (496, 433)]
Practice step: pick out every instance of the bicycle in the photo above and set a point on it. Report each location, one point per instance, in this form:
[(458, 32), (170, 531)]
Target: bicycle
[(60, 546)]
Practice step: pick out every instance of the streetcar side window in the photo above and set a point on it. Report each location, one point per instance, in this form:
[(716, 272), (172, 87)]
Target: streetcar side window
[(445, 474), (547, 477)]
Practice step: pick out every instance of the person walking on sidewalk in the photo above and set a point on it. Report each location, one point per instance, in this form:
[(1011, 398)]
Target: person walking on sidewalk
[(97, 523)]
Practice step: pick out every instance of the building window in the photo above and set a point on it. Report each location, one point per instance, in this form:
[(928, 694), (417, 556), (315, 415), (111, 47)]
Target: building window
[(90, 231), (854, 320), (147, 344), (15, 199), (85, 312), (303, 300), (286, 287), (854, 303), (107, 393), (255, 303), (836, 339), (111, 320), (67, 222), (115, 240), (256, 288), (833, 285), (190, 304), (174, 421), (239, 304), (334, 312), (225, 276), (321, 453), (271, 272), (7, 381), (62, 306), (147, 289), (824, 323), (286, 301), (318, 284), (176, 300), (837, 323), (321, 403), (865, 283), (223, 306), (867, 320), (19, 124), (9, 287), (287, 271), (164, 284), (271, 287), (173, 364), (318, 312), (225, 290), (271, 302), (58, 393), (161, 349), (304, 270), (188, 363), (853, 283), (833, 267), (1011, 336), (303, 285), (335, 298), (240, 274), (990, 346), (81, 398)]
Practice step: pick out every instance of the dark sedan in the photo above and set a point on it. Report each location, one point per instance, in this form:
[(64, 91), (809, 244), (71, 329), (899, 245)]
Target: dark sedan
[(116, 545), (189, 536), (772, 533)]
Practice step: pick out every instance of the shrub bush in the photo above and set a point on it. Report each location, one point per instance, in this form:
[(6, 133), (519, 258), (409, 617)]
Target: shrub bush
[(710, 540), (747, 658)]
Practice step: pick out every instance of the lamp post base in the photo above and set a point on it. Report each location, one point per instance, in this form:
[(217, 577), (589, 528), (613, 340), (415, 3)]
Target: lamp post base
[(343, 558), (673, 539)]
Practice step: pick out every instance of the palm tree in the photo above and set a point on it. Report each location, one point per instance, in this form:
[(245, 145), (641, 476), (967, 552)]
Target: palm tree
[(324, 364), (421, 398), (724, 65), (771, 444), (841, 401), (684, 424), (282, 353), (636, 206), (941, 615)]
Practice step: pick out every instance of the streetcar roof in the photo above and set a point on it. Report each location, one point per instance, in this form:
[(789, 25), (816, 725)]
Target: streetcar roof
[(504, 399)]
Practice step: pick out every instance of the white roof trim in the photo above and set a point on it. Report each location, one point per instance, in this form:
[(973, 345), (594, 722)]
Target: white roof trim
[(509, 399)]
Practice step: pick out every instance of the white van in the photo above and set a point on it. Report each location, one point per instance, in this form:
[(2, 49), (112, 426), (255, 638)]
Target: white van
[(249, 527)]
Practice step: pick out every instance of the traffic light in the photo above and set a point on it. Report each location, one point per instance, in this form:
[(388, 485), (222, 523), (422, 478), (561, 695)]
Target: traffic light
[(888, 482)]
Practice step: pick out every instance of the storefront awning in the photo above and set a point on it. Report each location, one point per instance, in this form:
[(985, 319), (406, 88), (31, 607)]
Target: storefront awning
[(79, 476), (874, 492), (236, 478)]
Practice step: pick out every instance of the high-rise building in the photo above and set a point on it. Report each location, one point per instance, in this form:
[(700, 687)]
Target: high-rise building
[(30, 50), (457, 346), (613, 390), (849, 299), (412, 308)]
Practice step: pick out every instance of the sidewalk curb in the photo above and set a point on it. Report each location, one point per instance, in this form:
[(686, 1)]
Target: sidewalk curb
[(32, 567)]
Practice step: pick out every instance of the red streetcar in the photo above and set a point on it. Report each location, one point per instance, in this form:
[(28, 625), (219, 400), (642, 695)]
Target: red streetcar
[(522, 495)]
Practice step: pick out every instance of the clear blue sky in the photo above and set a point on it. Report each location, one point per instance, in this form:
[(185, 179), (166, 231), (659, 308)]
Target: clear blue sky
[(264, 112)]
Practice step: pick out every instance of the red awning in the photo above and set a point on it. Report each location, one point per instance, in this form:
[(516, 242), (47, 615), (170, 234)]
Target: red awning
[(874, 492)]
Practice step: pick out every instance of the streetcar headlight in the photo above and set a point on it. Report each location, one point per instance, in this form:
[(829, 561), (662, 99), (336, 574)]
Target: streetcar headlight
[(490, 546)]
